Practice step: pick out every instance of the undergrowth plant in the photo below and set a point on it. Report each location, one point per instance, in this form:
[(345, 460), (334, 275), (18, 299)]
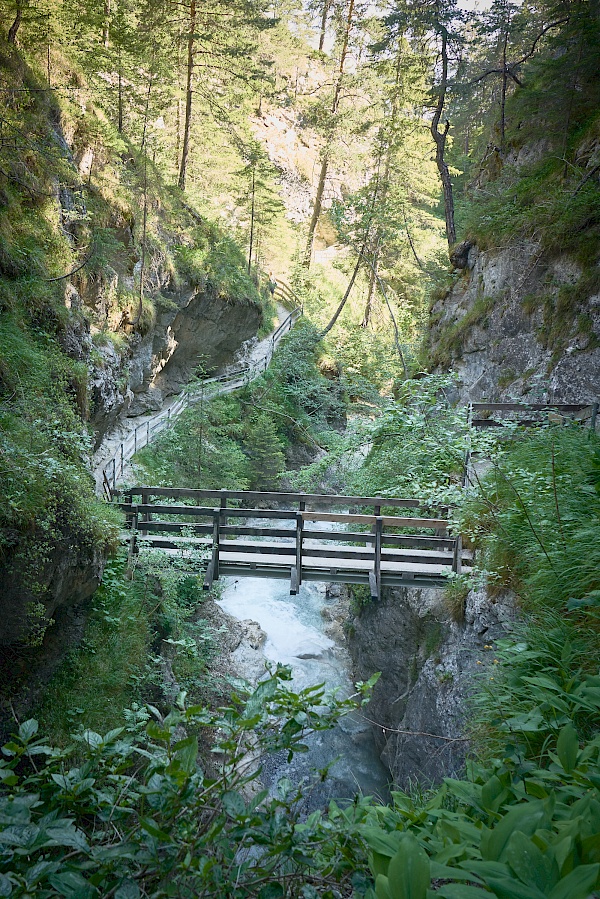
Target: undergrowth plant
[(131, 813)]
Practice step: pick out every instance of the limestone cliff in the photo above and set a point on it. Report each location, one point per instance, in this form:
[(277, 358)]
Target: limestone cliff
[(429, 665), (519, 322)]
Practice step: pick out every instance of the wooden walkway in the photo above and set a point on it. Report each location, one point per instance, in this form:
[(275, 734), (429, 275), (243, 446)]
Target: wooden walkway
[(300, 537)]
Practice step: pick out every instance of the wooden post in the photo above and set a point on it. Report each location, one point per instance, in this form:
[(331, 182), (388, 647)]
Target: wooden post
[(457, 561), (135, 440), (299, 536), (132, 542), (122, 465), (146, 516), (216, 539), (375, 581)]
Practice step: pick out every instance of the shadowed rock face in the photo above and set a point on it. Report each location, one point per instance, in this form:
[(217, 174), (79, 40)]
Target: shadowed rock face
[(67, 573), (514, 348), (429, 664), (203, 334)]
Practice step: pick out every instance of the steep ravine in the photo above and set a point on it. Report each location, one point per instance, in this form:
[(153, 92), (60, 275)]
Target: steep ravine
[(428, 663)]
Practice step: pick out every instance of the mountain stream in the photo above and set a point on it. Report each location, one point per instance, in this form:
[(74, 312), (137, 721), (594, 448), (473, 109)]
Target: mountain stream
[(295, 636)]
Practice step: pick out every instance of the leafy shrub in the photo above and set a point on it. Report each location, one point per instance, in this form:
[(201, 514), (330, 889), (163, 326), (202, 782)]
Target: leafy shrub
[(131, 813)]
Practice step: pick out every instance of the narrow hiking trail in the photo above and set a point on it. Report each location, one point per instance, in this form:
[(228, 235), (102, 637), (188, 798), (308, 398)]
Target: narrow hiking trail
[(121, 443)]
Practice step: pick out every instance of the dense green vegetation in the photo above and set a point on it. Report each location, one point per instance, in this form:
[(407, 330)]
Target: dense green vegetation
[(136, 159), (239, 441)]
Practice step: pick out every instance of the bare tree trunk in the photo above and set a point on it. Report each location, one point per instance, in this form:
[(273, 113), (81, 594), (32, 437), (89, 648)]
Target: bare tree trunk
[(316, 211), (188, 96), (324, 15), (503, 97), (252, 218), (337, 312), (371, 291), (106, 24), (147, 109), (440, 146), (325, 158), (12, 31), (120, 98)]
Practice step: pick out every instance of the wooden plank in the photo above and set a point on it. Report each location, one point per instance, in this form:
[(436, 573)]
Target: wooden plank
[(309, 498), (415, 541), (528, 407), (388, 521), (339, 536), (194, 511), (176, 527), (258, 549), (241, 531), (294, 581), (340, 567)]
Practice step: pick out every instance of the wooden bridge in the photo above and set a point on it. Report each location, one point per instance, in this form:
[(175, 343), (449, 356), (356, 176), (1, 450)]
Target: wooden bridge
[(300, 537)]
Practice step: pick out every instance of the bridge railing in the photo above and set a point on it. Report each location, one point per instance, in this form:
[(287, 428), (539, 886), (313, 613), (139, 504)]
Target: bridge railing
[(207, 388), (299, 543), (530, 414)]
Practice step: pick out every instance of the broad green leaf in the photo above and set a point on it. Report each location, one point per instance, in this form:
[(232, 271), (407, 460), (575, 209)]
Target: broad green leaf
[(529, 863), (92, 739), (233, 804), (510, 888), (526, 817), (380, 841), (490, 792), (128, 889), (271, 891), (5, 886), (408, 872), (152, 828), (381, 887), (567, 748), (28, 729), (186, 751), (578, 884), (460, 891), (72, 885)]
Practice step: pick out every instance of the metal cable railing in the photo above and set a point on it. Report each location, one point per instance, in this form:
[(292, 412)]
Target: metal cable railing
[(208, 388)]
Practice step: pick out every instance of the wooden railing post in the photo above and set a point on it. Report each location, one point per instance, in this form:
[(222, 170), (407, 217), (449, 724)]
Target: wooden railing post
[(375, 575), (132, 541), (146, 516), (296, 578), (457, 561)]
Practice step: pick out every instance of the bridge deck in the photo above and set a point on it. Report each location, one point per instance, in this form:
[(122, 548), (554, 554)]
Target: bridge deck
[(315, 548)]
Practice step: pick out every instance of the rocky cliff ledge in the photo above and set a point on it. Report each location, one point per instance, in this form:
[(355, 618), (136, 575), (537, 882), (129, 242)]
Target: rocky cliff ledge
[(429, 665), (518, 323)]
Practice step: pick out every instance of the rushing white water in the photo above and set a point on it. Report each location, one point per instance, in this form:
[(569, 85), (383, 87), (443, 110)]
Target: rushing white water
[(294, 627)]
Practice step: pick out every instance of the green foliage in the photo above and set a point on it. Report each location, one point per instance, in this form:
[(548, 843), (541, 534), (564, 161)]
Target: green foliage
[(536, 517), (132, 813), (240, 441)]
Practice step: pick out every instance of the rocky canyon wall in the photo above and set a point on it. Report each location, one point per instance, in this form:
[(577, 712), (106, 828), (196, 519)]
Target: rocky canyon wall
[(429, 665)]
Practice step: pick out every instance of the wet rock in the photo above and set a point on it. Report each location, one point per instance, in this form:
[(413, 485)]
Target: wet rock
[(253, 634), (429, 665)]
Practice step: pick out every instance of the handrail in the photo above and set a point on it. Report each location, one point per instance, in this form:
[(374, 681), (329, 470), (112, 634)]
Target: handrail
[(144, 433), (308, 546)]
